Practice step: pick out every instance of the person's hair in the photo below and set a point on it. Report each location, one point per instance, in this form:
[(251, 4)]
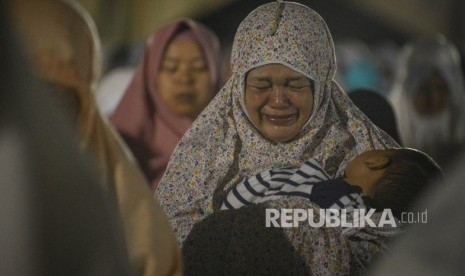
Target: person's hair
[(407, 176)]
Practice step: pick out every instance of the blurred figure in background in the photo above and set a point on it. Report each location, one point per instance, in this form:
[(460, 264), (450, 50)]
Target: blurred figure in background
[(428, 98), (62, 44), (112, 87), (121, 67), (386, 53), (378, 109), (55, 217), (178, 76), (357, 66)]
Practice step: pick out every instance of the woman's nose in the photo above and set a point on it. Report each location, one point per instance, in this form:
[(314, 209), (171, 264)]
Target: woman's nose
[(278, 97), (184, 74)]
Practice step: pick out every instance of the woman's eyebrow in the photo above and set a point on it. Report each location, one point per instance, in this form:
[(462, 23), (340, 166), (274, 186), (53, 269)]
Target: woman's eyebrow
[(171, 59), (177, 59), (295, 78), (259, 78), (197, 58)]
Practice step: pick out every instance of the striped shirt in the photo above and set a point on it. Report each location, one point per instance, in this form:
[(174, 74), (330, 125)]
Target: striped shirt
[(309, 181)]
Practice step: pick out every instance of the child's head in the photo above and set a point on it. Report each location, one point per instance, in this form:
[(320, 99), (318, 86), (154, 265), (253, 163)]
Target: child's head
[(392, 178)]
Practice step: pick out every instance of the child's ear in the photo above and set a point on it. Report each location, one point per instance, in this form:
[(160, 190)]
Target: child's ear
[(377, 162)]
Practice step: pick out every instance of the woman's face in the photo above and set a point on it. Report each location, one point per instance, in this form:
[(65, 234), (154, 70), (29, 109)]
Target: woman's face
[(183, 79), (279, 101), (432, 95)]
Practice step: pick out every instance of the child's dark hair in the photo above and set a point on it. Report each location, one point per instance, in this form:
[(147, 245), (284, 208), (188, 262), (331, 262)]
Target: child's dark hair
[(407, 175)]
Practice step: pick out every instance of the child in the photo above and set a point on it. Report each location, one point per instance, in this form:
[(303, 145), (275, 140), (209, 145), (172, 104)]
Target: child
[(391, 178)]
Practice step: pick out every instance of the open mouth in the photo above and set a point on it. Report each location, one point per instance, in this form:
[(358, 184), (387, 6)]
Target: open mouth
[(185, 98), (280, 120)]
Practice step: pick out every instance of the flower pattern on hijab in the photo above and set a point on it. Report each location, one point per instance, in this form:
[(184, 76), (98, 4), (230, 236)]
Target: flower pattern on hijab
[(222, 147)]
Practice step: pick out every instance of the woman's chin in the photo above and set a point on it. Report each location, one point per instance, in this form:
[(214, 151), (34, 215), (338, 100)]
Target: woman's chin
[(185, 110), (281, 134)]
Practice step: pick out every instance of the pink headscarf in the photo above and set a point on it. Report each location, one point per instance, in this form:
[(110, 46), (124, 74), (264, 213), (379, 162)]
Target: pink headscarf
[(151, 130)]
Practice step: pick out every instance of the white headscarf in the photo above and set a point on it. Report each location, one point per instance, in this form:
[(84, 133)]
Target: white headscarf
[(417, 61)]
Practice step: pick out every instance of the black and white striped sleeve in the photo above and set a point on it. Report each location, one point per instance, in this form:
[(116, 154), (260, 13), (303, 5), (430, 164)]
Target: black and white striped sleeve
[(275, 183)]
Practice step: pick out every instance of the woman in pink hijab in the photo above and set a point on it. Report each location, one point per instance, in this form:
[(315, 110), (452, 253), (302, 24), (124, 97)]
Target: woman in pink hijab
[(178, 76)]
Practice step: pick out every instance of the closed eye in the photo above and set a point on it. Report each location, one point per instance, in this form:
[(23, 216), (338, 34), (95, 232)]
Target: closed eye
[(259, 88), (298, 88), (259, 85), (298, 85), (199, 65), (169, 67)]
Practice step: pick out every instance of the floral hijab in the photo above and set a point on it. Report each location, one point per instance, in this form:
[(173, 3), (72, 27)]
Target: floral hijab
[(222, 147)]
